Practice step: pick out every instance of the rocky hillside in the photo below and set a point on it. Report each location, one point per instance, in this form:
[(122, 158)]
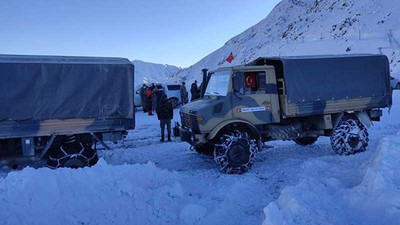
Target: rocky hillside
[(308, 27)]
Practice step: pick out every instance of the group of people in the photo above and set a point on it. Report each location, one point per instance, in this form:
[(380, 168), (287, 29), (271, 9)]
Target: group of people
[(194, 90), (155, 99)]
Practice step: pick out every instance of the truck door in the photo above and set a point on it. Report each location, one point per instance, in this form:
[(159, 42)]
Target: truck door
[(255, 96)]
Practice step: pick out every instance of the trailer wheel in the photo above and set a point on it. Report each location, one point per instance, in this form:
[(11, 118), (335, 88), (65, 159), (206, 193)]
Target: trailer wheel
[(350, 137), (205, 149), (235, 153), (73, 154), (305, 141)]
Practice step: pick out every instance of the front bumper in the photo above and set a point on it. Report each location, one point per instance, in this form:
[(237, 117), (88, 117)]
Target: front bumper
[(188, 136)]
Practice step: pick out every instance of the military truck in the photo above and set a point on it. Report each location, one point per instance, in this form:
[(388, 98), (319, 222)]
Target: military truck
[(59, 108), (287, 98)]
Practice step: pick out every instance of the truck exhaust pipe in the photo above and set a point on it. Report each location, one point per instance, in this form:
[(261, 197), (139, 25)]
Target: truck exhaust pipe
[(204, 83)]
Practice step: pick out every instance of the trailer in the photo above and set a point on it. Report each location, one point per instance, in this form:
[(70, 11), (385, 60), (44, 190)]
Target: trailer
[(58, 107)]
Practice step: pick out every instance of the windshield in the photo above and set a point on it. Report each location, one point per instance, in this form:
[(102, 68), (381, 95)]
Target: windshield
[(218, 83)]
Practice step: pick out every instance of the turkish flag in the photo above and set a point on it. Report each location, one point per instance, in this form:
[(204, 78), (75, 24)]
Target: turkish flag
[(250, 80), (230, 58)]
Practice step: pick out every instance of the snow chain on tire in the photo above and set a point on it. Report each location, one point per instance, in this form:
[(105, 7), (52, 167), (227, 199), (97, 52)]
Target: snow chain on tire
[(227, 141), (83, 154), (342, 136)]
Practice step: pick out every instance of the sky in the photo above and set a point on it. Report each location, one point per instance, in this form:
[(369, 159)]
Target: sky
[(175, 32)]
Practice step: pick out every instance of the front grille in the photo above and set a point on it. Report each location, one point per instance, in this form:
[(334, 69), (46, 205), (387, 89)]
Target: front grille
[(190, 121)]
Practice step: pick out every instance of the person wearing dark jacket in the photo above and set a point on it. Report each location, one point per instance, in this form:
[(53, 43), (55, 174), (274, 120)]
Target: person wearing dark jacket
[(158, 92), (184, 94), (165, 114), (142, 93), (149, 99), (194, 90)]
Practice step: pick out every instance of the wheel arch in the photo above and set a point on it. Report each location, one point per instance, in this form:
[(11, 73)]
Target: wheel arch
[(234, 124)]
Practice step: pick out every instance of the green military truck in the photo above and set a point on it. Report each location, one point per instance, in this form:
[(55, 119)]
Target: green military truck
[(287, 98), (57, 108)]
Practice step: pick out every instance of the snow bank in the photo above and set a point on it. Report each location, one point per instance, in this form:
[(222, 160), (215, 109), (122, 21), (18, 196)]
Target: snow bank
[(327, 201), (103, 194)]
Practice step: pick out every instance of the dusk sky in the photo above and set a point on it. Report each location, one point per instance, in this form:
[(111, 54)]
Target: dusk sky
[(176, 32)]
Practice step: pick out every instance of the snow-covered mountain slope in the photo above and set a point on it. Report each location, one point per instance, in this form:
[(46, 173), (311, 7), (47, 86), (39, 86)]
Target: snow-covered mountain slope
[(304, 27), (152, 72)]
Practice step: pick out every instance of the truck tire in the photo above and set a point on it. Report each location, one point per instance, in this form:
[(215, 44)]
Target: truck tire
[(350, 137), (235, 153), (205, 149), (73, 154), (304, 141)]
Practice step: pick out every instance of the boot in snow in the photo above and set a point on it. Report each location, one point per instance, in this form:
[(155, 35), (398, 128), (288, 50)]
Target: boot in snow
[(169, 138), (162, 138)]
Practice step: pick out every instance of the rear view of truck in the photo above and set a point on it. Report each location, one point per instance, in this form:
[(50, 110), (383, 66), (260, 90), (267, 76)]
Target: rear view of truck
[(58, 108)]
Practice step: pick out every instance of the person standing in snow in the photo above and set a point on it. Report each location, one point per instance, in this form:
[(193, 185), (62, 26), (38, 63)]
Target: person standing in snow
[(184, 94), (149, 99), (142, 94), (194, 90), (158, 92), (165, 114)]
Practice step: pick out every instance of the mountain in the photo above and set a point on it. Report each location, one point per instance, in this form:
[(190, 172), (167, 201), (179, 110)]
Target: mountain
[(313, 27), (153, 73)]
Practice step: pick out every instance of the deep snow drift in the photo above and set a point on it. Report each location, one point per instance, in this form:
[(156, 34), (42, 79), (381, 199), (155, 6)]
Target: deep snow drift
[(103, 194), (326, 200)]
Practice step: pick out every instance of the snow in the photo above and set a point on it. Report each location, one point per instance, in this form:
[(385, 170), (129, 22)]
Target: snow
[(103, 194), (327, 200), (298, 27), (143, 181), (146, 72)]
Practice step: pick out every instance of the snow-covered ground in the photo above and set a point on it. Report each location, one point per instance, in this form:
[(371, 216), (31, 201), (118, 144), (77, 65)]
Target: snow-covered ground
[(143, 181)]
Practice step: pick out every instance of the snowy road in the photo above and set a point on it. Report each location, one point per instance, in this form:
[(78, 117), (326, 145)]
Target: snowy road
[(182, 187)]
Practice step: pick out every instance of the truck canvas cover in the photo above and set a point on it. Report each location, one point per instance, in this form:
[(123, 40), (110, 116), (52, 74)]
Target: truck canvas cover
[(315, 81), (55, 87)]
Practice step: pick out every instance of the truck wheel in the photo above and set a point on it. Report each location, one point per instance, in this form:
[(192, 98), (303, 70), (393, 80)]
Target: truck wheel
[(73, 154), (235, 153), (349, 137), (305, 141), (205, 149)]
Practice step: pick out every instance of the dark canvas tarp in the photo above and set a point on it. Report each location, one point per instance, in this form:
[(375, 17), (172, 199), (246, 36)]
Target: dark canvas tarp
[(47, 87), (323, 78)]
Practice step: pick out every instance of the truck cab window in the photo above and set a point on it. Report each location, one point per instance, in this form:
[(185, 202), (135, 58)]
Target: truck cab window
[(251, 82)]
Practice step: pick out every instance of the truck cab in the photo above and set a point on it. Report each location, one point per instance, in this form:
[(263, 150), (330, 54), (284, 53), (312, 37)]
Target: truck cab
[(246, 96)]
